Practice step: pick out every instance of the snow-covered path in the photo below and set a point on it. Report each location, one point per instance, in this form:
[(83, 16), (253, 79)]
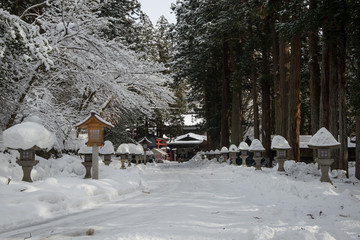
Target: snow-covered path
[(212, 201)]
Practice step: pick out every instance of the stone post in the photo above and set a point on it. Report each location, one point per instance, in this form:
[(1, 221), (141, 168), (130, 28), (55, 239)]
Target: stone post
[(27, 167), (95, 162)]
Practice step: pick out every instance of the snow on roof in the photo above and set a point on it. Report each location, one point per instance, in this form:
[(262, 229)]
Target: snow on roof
[(323, 138), (96, 115), (192, 136), (256, 145), (145, 140), (243, 146), (85, 149), (108, 148), (279, 142), (123, 149), (158, 151), (224, 150), (192, 120), (27, 135), (233, 148)]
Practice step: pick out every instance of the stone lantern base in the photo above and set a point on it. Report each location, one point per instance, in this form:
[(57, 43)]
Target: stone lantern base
[(281, 162), (258, 163), (243, 158), (27, 166), (87, 166), (324, 165)]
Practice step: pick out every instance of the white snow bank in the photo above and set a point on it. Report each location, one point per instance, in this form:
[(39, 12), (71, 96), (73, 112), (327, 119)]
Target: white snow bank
[(58, 188), (279, 142), (323, 138), (256, 145), (27, 135)]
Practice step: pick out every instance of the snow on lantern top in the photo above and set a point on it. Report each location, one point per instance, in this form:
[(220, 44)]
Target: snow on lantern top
[(233, 148), (279, 143), (243, 146), (28, 135), (224, 150), (217, 151), (256, 145), (123, 149), (95, 127), (323, 139), (107, 149)]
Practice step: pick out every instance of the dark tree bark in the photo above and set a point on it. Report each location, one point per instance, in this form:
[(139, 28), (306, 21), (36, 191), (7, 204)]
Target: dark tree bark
[(324, 99), (357, 162), (295, 76), (225, 110), (255, 98), (265, 89), (315, 78)]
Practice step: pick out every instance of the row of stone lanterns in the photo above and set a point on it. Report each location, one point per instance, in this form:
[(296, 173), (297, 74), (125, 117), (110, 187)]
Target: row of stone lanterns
[(323, 141)]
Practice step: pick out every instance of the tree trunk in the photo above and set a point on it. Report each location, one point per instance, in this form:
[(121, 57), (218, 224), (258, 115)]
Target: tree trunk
[(357, 161), (333, 99), (255, 98), (275, 56), (236, 137), (225, 110), (284, 84), (295, 76), (343, 154), (324, 97), (265, 89), (314, 76)]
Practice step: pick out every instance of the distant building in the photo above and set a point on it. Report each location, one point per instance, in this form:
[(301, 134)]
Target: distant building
[(184, 147)]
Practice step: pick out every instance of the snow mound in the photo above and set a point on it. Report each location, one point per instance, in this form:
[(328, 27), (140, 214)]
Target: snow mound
[(27, 135), (256, 146), (244, 146), (323, 138), (123, 149), (108, 148), (279, 142), (224, 150), (233, 148)]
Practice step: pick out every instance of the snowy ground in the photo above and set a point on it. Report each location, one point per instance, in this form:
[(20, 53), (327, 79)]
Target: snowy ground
[(194, 200)]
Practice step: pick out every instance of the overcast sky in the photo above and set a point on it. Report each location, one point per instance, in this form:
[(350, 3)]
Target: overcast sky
[(155, 8)]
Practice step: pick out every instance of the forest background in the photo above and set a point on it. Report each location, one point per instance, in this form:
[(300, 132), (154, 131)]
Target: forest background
[(269, 67)]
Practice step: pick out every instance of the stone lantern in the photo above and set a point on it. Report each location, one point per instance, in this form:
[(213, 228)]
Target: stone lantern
[(281, 146), (26, 138), (86, 152), (139, 153), (257, 148), (323, 141), (149, 155), (244, 152), (233, 151), (107, 151), (225, 152), (124, 152), (217, 154), (145, 144), (94, 125)]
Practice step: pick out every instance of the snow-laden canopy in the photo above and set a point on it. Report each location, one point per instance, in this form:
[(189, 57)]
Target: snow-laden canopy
[(212, 152), (233, 148), (323, 138), (279, 142), (243, 146), (108, 148), (85, 149), (217, 151), (224, 150), (123, 149), (256, 145), (28, 135)]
